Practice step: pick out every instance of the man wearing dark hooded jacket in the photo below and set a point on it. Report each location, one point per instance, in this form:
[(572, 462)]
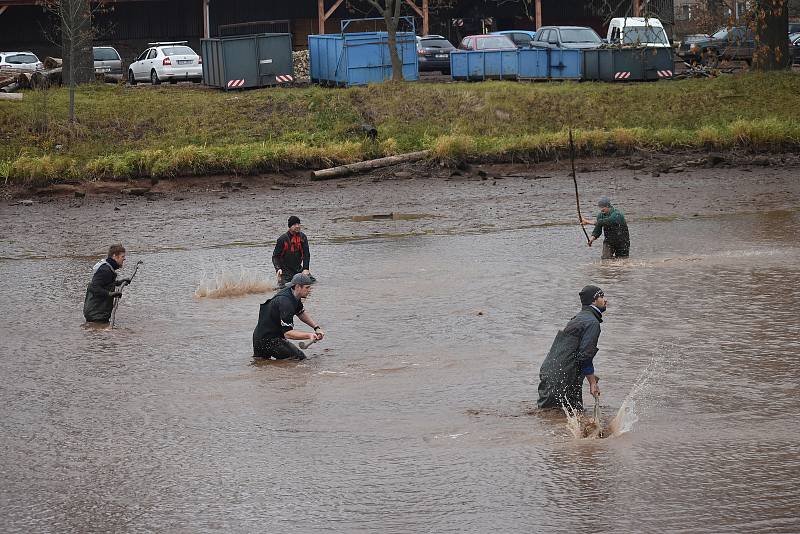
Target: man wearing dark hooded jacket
[(571, 356), (101, 292)]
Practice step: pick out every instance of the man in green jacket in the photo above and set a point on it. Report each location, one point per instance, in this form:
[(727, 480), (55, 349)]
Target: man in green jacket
[(611, 222)]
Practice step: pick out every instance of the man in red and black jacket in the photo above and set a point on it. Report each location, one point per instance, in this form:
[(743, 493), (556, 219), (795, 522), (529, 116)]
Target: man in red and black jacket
[(291, 255)]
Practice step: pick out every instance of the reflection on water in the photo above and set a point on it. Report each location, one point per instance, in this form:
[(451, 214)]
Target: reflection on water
[(414, 413)]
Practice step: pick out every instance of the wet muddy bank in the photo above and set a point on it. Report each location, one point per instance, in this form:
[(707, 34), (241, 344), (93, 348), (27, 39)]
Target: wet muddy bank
[(404, 200)]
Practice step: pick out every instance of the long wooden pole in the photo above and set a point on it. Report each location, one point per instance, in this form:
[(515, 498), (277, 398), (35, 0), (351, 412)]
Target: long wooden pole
[(538, 14), (575, 181)]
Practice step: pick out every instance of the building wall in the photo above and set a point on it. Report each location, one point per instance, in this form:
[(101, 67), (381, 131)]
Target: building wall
[(131, 25)]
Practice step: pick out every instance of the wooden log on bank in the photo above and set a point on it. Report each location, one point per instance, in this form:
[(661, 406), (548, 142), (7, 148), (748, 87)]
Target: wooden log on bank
[(46, 78), (24, 80), (10, 96), (361, 166), (52, 62)]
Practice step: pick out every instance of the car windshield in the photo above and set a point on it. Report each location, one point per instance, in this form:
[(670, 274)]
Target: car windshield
[(178, 51), (497, 41), (644, 34), (581, 35), (105, 54), (721, 34), (21, 59), (435, 43)]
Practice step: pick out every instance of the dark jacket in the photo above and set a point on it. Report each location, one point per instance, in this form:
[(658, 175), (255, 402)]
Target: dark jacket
[(99, 303), (275, 318), (291, 254), (569, 360), (615, 228)]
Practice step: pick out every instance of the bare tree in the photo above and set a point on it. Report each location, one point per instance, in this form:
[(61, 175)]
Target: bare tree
[(390, 11), (75, 27)]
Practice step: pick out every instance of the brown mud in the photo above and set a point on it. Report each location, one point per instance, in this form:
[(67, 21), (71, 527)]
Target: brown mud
[(425, 198)]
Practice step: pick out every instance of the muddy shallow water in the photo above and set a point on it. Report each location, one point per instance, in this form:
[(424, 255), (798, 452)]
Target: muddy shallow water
[(414, 415)]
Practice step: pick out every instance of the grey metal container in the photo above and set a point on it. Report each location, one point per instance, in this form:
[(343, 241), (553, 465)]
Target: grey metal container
[(627, 64), (247, 61)]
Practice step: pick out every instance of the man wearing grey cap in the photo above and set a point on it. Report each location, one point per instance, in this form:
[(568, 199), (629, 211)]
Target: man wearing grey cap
[(276, 322), (571, 357), (611, 221)]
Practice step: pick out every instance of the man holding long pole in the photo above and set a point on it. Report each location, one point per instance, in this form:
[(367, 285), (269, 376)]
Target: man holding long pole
[(102, 290)]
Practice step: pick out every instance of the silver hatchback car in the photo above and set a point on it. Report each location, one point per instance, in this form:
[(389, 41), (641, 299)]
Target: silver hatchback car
[(107, 61)]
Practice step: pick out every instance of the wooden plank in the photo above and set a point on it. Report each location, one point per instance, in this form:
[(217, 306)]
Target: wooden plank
[(10, 96)]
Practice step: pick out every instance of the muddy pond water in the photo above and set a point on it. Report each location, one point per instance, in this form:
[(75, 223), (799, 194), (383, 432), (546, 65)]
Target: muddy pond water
[(414, 415)]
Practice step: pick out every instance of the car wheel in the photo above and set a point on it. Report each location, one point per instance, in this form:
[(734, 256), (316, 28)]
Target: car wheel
[(173, 82), (154, 78), (131, 79), (710, 59)]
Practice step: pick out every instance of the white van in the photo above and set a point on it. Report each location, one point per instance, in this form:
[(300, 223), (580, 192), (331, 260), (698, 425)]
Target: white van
[(637, 31)]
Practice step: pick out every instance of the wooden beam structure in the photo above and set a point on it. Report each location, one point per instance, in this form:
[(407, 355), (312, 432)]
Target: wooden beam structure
[(206, 18), (325, 15), (423, 13), (538, 14)]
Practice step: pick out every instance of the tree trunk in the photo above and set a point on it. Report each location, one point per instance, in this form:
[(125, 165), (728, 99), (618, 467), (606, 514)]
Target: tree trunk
[(391, 15), (397, 65), (76, 41), (772, 45)]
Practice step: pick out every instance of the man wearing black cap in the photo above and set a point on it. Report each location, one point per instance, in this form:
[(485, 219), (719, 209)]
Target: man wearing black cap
[(610, 220), (291, 254), (571, 355), (276, 322)]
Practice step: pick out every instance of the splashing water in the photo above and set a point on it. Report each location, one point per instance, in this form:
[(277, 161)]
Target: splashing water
[(224, 284), (582, 426)]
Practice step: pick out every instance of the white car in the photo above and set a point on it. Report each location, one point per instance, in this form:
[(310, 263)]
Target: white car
[(171, 62), (20, 62), (638, 31)]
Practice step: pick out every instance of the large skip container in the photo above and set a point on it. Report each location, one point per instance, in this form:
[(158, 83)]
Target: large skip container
[(247, 61), (534, 64), (628, 64), (360, 58), (565, 64), (484, 64)]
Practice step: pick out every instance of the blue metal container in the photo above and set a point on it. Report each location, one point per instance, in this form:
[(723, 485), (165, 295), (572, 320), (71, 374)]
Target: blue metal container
[(247, 61), (534, 64), (484, 64), (360, 58), (566, 64)]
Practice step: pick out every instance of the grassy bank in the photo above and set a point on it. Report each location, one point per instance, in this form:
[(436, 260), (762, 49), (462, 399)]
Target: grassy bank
[(125, 132)]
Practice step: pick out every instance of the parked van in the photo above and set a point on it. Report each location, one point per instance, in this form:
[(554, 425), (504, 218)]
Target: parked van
[(637, 31)]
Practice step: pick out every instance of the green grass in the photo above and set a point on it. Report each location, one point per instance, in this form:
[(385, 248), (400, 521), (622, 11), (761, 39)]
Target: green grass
[(168, 131)]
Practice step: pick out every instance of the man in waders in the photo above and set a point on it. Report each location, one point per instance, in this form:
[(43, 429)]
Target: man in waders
[(101, 292), (610, 221), (570, 357), (291, 254), (276, 322)]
